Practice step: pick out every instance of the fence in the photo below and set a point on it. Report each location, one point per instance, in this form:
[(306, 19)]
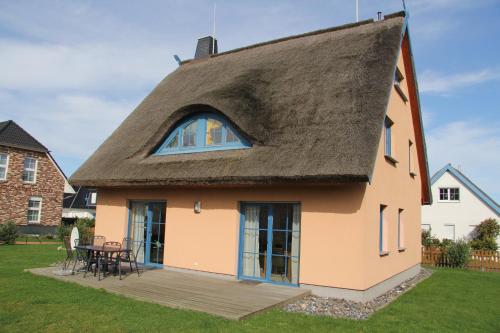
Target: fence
[(481, 260)]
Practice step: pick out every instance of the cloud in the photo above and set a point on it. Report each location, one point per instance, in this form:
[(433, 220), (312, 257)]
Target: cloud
[(439, 83), (71, 125), (473, 145), (47, 66)]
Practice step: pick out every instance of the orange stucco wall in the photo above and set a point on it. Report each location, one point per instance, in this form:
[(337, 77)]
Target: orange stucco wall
[(339, 224)]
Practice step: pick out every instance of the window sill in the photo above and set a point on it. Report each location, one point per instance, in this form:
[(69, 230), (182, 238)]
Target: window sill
[(449, 201), (402, 249), (413, 174), (29, 183), (384, 253), (400, 92), (391, 159)]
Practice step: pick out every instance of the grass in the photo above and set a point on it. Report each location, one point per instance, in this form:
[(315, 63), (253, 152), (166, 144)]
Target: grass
[(42, 239), (448, 301)]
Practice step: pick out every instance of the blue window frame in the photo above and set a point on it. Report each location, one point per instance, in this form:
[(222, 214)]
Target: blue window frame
[(388, 136), (269, 246), (202, 132)]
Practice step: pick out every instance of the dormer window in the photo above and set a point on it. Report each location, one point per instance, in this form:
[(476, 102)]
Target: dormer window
[(203, 132)]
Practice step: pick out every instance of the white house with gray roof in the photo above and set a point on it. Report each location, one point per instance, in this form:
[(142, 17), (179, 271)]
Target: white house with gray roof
[(458, 207)]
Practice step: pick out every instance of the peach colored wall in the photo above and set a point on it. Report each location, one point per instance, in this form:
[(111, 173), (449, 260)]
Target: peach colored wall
[(339, 224), (392, 185), (330, 221)]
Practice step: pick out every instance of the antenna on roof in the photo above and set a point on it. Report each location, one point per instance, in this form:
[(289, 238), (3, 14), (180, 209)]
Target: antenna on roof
[(357, 10), (179, 61), (404, 5), (213, 28)]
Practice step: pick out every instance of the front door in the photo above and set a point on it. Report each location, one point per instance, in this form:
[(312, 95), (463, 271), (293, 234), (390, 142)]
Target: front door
[(147, 229), (269, 242)]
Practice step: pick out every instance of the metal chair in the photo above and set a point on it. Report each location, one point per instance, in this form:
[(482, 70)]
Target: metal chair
[(98, 240), (130, 256), (83, 256), (113, 259), (69, 252)]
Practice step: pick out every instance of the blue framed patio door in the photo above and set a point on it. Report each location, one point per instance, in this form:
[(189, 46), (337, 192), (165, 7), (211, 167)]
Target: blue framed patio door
[(270, 242), (147, 224)]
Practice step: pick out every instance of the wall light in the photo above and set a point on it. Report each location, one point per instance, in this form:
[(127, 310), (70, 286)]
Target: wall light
[(197, 207)]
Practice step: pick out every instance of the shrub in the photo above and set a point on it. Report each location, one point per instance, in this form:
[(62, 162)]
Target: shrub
[(428, 239), (485, 234), (458, 253), (445, 244), (85, 229), (8, 232)]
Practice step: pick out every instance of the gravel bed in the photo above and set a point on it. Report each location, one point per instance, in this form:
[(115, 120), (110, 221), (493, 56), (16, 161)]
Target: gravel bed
[(341, 308)]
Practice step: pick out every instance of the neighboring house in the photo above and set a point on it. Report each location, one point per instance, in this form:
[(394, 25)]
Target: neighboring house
[(31, 182), (459, 205), (80, 204), (299, 161)]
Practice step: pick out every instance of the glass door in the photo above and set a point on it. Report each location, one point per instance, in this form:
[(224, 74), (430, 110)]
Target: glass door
[(269, 242), (147, 229)]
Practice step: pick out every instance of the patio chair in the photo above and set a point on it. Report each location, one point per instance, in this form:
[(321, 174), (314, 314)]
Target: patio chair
[(131, 256), (83, 256), (69, 252), (98, 240), (106, 260)]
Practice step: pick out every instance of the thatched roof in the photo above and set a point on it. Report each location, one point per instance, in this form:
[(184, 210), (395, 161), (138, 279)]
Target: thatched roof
[(312, 106)]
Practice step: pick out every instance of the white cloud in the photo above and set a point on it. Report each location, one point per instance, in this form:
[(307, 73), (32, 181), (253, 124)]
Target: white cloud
[(42, 66), (437, 82), (473, 145), (71, 125)]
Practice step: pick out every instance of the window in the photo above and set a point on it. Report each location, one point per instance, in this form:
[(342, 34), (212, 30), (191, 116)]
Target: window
[(91, 198), (388, 136), (34, 209), (29, 174), (449, 231), (383, 232), (270, 242), (426, 227), (449, 194), (4, 163), (401, 230), (203, 132), (398, 77), (410, 159)]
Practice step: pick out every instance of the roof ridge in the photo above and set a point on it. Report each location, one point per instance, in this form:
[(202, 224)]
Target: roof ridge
[(31, 136), (306, 34)]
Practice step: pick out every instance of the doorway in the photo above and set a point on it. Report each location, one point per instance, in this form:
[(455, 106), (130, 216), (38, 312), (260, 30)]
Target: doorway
[(147, 225), (270, 242)]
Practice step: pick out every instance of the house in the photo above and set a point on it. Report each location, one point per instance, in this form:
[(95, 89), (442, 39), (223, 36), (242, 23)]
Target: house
[(460, 205), (31, 182), (80, 204), (299, 161)]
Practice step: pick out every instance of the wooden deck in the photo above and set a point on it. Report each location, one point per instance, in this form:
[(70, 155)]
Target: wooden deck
[(226, 298)]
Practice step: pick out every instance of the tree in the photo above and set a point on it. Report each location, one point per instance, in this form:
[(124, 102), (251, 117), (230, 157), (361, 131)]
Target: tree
[(485, 235)]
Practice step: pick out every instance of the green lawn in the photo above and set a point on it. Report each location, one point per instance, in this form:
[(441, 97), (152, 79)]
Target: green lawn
[(42, 239), (449, 301)]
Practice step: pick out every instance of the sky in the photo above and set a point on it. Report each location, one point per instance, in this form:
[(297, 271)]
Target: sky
[(71, 71)]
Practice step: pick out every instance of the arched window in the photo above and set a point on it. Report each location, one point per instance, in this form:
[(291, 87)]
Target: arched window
[(203, 132)]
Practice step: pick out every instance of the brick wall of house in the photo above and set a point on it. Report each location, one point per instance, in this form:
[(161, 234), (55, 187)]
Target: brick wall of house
[(15, 194)]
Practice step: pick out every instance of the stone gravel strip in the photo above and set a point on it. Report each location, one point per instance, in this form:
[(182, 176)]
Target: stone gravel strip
[(341, 308)]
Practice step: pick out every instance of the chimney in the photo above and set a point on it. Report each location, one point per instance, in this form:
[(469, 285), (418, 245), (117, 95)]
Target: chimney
[(206, 46), (379, 16)]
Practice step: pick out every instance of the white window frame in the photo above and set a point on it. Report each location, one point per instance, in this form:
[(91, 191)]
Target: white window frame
[(448, 191), (454, 230), (6, 166), (92, 195), (39, 199), (426, 224), (33, 170)]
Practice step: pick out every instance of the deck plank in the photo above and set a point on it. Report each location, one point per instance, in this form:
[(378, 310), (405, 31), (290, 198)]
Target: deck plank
[(230, 299)]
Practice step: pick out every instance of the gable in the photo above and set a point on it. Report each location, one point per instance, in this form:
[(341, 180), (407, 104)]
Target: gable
[(13, 135), (311, 108), (449, 177)]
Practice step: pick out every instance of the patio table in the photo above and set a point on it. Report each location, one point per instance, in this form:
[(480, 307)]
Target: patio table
[(100, 250)]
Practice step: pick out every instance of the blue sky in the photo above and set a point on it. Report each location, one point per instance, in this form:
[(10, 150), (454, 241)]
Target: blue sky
[(72, 71)]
